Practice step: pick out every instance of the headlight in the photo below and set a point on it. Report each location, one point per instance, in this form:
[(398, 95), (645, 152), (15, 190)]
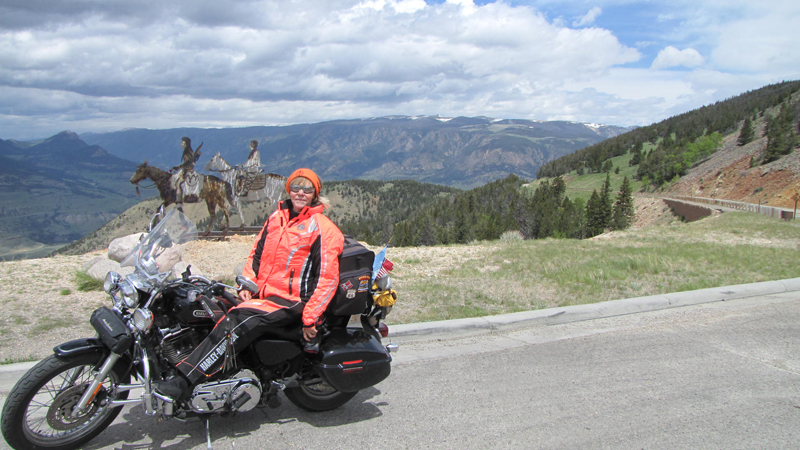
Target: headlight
[(111, 283), (128, 294), (142, 319)]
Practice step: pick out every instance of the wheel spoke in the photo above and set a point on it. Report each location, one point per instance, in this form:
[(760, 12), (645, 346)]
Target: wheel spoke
[(71, 376), (36, 424)]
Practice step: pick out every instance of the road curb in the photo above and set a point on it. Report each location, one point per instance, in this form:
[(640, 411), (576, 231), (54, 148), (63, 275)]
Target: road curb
[(425, 331), (489, 324)]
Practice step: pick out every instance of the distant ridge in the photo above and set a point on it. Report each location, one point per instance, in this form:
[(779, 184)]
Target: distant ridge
[(459, 151)]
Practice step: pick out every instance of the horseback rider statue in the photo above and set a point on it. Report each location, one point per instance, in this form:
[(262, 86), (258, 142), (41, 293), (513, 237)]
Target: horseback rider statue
[(186, 180), (251, 168)]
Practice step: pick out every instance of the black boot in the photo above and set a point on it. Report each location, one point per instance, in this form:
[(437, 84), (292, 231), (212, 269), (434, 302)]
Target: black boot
[(173, 387)]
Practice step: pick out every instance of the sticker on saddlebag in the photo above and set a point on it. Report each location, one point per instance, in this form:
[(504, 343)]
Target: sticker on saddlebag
[(346, 285), (363, 283)]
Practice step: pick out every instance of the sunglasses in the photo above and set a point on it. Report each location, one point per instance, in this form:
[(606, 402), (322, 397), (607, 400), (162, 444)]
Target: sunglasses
[(305, 189)]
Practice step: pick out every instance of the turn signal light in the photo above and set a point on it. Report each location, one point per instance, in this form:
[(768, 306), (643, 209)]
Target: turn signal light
[(383, 329)]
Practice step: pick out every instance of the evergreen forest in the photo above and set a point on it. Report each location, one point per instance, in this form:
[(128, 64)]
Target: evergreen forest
[(408, 213), (506, 206), (674, 145)]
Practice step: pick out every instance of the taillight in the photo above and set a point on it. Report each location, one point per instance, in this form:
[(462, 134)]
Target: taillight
[(383, 329), (346, 369)]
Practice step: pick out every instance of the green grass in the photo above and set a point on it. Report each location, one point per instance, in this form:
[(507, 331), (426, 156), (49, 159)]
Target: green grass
[(582, 186), (19, 360), (45, 324), (730, 249), (65, 291), (18, 320), (84, 282)]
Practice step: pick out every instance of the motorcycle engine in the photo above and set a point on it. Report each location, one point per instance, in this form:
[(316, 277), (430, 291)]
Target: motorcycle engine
[(242, 392), (177, 344)]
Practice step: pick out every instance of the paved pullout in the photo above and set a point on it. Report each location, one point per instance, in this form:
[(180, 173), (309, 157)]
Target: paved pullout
[(717, 368)]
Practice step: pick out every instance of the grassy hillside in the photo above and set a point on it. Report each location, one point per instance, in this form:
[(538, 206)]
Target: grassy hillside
[(355, 204), (440, 283), (581, 186)]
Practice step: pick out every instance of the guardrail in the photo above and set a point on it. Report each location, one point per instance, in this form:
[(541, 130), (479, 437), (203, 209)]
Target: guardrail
[(770, 211)]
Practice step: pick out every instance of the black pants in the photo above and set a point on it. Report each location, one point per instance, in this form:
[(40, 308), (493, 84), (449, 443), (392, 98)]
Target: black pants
[(245, 324)]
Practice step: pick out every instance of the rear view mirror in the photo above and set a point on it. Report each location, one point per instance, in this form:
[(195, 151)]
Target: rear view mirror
[(247, 284)]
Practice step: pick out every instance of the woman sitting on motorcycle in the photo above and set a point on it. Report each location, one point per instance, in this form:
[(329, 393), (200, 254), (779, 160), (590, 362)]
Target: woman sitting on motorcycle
[(294, 262)]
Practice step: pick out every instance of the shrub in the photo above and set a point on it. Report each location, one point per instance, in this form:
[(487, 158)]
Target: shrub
[(86, 282), (511, 236)]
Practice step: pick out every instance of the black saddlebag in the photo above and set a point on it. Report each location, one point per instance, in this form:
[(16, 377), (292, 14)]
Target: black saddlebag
[(355, 272), (353, 360), (112, 330)]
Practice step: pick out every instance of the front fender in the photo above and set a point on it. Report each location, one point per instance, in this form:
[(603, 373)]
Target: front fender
[(80, 346), (91, 346)]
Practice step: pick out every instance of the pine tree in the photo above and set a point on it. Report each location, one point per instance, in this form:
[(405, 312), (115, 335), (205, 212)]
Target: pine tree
[(605, 201), (623, 214), (559, 188), (748, 133), (594, 215), (781, 137), (636, 156)]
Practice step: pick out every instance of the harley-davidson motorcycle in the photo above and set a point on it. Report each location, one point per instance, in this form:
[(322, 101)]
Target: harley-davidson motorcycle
[(155, 321)]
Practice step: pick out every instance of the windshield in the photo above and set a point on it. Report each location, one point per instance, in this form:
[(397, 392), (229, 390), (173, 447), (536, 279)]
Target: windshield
[(173, 229)]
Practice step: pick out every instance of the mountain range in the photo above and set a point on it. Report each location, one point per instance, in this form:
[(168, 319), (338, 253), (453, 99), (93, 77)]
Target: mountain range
[(461, 152), (57, 190)]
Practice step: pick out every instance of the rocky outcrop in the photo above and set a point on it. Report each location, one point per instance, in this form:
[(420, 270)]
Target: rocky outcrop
[(171, 260)]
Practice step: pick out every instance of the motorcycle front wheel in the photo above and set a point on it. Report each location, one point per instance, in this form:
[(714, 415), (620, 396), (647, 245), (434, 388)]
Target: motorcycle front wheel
[(317, 395), (37, 412)]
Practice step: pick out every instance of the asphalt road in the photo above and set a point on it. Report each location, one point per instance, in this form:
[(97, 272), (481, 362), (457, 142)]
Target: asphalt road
[(711, 375)]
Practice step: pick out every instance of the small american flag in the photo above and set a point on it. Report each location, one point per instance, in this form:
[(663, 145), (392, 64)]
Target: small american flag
[(386, 267)]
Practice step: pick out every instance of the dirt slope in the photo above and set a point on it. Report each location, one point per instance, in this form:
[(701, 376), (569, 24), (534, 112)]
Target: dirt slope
[(728, 175)]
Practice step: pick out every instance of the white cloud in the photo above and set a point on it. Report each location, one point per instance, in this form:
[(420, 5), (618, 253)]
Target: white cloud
[(672, 57), (764, 41), (589, 18), (99, 65)]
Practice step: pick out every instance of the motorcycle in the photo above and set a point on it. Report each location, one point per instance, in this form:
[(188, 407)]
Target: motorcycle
[(154, 322)]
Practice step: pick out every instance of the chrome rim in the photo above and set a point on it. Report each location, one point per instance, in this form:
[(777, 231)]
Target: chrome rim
[(48, 417)]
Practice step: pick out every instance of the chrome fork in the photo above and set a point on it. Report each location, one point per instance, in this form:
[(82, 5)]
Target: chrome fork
[(90, 392)]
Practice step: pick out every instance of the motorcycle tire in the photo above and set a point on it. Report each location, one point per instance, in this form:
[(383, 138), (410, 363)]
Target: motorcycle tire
[(317, 395), (36, 411)]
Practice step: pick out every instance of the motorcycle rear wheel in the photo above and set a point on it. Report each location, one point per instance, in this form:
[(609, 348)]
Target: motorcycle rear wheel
[(36, 414), (317, 395)]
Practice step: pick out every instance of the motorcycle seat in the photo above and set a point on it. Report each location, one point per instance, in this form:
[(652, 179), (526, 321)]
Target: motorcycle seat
[(291, 333)]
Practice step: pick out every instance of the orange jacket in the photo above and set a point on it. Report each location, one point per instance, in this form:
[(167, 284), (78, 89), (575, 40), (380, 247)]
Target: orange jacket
[(296, 259)]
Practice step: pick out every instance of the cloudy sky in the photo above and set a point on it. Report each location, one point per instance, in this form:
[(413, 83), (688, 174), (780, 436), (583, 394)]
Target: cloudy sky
[(106, 65)]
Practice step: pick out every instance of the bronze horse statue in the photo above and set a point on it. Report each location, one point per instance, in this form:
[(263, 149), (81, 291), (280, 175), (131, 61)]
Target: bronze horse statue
[(215, 191)]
